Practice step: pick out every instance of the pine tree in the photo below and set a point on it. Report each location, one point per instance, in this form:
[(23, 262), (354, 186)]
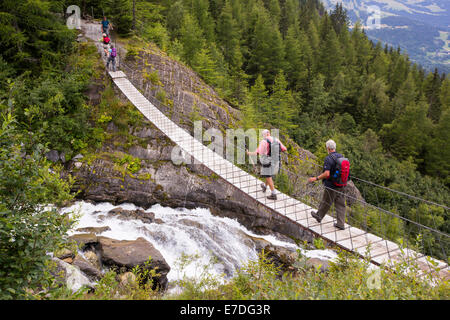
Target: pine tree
[(304, 83), (296, 71), (120, 13), (200, 10), (380, 63), (319, 99), (347, 49), (438, 152), (275, 12), (191, 37), (266, 48), (314, 43), (373, 103), (329, 62), (205, 66), (362, 48), (397, 73), (175, 18), (406, 95), (444, 95), (432, 86), (215, 7), (282, 106), (408, 135), (258, 98), (228, 35), (290, 18), (31, 35), (340, 94), (339, 18)]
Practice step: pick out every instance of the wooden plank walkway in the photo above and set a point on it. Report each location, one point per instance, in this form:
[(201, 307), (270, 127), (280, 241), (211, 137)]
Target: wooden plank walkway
[(351, 238)]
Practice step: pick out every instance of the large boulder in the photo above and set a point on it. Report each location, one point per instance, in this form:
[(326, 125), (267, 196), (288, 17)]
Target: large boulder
[(281, 257), (88, 268), (322, 264), (92, 257), (94, 230), (69, 275), (131, 253), (122, 214), (84, 240)]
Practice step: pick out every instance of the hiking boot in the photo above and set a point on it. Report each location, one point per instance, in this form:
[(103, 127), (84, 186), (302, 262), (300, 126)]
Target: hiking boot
[(263, 187), (272, 197), (339, 227), (315, 216)]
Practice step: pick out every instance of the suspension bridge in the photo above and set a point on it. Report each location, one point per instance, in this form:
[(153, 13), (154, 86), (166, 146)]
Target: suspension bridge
[(355, 239)]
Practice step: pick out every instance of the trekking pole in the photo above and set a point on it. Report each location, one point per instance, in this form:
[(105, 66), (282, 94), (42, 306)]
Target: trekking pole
[(250, 159)]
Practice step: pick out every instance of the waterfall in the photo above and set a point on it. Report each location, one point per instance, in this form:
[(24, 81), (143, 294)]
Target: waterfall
[(184, 231)]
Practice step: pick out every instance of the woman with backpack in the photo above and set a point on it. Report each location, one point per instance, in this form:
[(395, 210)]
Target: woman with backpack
[(112, 58), (106, 41), (269, 150)]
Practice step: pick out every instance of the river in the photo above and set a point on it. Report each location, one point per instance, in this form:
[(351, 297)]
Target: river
[(193, 232)]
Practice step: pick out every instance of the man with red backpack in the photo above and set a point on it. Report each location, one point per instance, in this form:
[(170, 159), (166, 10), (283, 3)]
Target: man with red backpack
[(112, 58), (336, 171)]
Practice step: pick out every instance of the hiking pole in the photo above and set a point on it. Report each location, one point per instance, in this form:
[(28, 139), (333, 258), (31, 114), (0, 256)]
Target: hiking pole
[(250, 159)]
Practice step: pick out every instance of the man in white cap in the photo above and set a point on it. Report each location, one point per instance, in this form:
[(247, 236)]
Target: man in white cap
[(332, 193)]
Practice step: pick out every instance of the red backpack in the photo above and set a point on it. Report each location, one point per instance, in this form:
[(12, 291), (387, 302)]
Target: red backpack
[(342, 172), (106, 40)]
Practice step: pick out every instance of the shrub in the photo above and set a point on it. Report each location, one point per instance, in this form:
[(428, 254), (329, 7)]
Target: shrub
[(29, 225)]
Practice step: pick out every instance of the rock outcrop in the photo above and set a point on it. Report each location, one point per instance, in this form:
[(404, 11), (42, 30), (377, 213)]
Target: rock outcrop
[(146, 217), (100, 253), (70, 275), (129, 254)]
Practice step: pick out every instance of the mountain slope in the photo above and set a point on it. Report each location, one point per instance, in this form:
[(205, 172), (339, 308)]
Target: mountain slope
[(420, 27)]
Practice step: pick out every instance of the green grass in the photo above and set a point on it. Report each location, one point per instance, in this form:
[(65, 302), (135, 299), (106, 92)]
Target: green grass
[(348, 278)]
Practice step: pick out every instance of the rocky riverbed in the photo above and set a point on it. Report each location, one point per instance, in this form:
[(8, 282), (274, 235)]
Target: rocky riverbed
[(124, 236)]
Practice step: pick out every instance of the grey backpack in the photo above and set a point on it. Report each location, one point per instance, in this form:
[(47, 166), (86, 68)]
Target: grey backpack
[(274, 149)]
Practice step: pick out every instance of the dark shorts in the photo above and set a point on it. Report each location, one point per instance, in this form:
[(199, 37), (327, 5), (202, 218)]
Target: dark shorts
[(264, 176)]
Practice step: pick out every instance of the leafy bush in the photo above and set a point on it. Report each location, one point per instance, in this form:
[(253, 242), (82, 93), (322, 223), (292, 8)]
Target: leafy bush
[(133, 164), (30, 226), (348, 278)]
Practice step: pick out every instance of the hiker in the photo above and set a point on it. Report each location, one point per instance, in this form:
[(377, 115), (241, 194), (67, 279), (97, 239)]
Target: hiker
[(106, 41), (105, 26), (336, 170), (269, 150), (112, 58)]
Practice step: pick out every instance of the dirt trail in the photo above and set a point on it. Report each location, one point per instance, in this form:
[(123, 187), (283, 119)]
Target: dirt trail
[(93, 31)]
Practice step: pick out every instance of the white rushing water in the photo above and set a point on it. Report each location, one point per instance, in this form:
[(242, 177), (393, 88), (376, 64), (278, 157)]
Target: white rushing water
[(184, 231)]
